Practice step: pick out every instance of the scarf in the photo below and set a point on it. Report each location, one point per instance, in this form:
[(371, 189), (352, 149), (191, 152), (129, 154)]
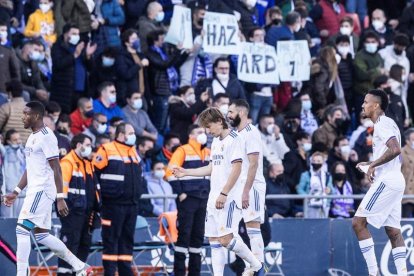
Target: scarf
[(342, 206), (203, 69), (171, 72), (141, 83)]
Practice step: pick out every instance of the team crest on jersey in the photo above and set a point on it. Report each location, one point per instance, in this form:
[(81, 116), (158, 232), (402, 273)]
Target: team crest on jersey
[(98, 158)]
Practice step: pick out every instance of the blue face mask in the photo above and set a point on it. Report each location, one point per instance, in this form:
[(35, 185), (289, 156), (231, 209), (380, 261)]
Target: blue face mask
[(136, 45), (108, 62), (306, 105), (160, 16)]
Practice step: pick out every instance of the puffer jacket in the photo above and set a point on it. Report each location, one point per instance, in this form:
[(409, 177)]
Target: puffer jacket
[(77, 12)]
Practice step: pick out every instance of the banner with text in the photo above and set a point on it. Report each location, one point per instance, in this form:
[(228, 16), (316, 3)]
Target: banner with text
[(257, 63), (294, 60), (180, 30), (221, 34)]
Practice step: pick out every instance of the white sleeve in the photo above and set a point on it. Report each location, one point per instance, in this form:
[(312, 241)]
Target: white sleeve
[(253, 144), (50, 146), (236, 150), (385, 131)]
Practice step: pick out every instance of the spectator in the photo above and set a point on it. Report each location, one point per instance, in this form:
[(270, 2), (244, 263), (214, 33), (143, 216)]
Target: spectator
[(361, 139), (406, 22), (103, 70), (290, 127), (275, 147), (316, 181), (171, 143), (184, 108), (108, 19), (129, 66), (45, 65), (308, 121), (198, 10), (395, 54), (278, 184), (54, 110), (82, 117), (248, 15), (69, 58), (368, 64), (145, 147), (346, 29), (346, 69), (396, 81), (106, 103), (295, 161), (308, 30), (260, 95), (78, 12), (63, 141), (9, 64), (113, 123), (41, 23), (358, 7), (150, 22), (341, 207), (134, 9), (222, 102), (274, 18), (327, 15), (331, 128), (163, 76), (11, 112), (97, 127), (408, 172), (223, 81), (379, 27), (138, 118), (285, 32), (11, 11), (158, 186), (101, 139), (14, 163), (63, 126)]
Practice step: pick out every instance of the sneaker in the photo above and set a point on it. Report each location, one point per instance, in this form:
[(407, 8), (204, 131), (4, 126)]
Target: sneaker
[(248, 272), (254, 271), (87, 270), (260, 272)]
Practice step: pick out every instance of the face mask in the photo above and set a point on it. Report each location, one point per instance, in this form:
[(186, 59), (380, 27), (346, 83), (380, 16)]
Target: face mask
[(404, 78), (343, 50), (339, 122), (44, 7), (130, 140), (34, 56), (224, 109), (345, 30), (316, 167), (270, 129), (306, 105), (101, 129), (250, 3), (159, 174), (398, 52), (222, 77), (200, 21), (190, 99), (412, 145), (89, 114), (307, 147), (368, 123), (15, 146), (236, 121), (345, 150), (74, 39), (112, 99), (337, 58), (160, 16), (202, 139), (107, 62), (136, 45), (377, 24), (276, 21), (86, 152), (339, 176), (297, 28), (371, 47), (41, 57), (137, 104), (63, 131), (3, 35), (280, 178)]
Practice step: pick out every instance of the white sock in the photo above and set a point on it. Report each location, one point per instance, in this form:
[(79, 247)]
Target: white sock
[(60, 250), (398, 254), (367, 249), (240, 248), (218, 258), (256, 243), (23, 250)]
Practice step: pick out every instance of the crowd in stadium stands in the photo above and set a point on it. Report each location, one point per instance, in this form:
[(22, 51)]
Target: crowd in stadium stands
[(97, 63)]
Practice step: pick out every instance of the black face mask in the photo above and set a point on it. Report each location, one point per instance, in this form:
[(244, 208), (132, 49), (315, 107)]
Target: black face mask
[(339, 176), (316, 167), (388, 90), (276, 21), (398, 52), (280, 178), (89, 114), (62, 131), (339, 122), (236, 121), (200, 21)]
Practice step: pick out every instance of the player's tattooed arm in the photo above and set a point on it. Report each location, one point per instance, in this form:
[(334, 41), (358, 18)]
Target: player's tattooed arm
[(393, 151)]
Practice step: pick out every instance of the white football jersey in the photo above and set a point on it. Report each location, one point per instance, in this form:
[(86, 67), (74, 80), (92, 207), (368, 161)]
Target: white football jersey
[(385, 129), (41, 146), (223, 153), (253, 145)]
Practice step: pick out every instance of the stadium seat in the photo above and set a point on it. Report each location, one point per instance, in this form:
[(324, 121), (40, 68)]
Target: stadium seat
[(274, 268), (337, 272), (43, 253)]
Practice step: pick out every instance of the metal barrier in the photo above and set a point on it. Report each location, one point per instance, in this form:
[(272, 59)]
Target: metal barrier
[(305, 198)]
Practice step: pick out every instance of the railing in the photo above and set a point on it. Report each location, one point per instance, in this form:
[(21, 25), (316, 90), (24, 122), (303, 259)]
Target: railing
[(305, 198)]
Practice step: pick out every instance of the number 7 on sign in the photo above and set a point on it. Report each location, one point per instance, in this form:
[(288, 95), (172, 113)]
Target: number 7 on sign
[(292, 72)]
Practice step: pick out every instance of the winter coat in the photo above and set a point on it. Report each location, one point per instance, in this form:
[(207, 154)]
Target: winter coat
[(126, 71), (30, 75), (320, 84), (11, 118), (234, 88), (367, 68), (99, 74), (326, 18), (134, 9), (77, 12), (9, 66), (43, 24), (325, 134), (248, 18), (145, 26)]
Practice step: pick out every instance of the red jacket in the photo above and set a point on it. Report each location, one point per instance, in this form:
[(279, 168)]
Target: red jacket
[(330, 19), (79, 124)]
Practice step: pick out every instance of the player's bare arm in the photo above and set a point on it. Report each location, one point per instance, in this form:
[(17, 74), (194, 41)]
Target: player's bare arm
[(251, 174), (202, 171), (11, 197), (393, 151), (231, 181), (57, 172)]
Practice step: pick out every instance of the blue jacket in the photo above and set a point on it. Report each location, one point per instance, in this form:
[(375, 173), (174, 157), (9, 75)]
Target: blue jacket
[(110, 112), (304, 184), (278, 33)]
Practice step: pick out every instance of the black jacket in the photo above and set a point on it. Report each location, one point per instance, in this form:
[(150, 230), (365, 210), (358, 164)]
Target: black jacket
[(30, 75), (234, 88), (294, 165), (282, 207), (99, 74)]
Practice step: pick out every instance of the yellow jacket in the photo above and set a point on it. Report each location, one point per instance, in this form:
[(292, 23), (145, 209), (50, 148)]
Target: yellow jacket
[(41, 24)]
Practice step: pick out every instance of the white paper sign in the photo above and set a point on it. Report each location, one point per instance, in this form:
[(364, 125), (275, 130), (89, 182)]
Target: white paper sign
[(294, 60), (180, 30), (257, 63), (221, 34)]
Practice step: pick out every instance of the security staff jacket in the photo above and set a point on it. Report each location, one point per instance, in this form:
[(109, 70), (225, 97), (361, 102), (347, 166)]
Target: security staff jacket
[(190, 156), (120, 173)]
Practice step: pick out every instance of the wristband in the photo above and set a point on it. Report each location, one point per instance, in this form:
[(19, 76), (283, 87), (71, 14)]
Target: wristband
[(223, 194), (60, 195), (17, 190)]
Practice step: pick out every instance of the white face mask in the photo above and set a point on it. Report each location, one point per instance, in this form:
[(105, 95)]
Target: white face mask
[(250, 3), (345, 149), (130, 140), (371, 47), (112, 99), (86, 152), (137, 104), (345, 30), (190, 99), (338, 58), (343, 50), (159, 174), (307, 147), (101, 129), (270, 129), (202, 139), (224, 109), (377, 24), (74, 39), (3, 35), (222, 77), (368, 123), (160, 16), (297, 28), (44, 7)]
